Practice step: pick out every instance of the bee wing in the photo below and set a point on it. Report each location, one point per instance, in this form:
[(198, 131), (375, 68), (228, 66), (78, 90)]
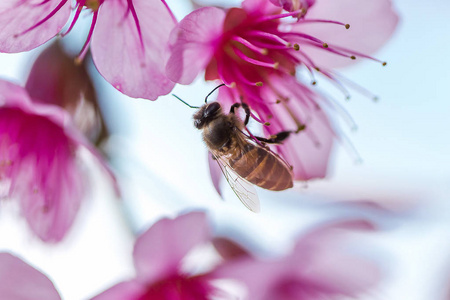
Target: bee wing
[(243, 189)]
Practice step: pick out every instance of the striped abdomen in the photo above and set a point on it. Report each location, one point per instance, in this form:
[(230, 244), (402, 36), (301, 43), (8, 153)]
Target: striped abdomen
[(262, 168)]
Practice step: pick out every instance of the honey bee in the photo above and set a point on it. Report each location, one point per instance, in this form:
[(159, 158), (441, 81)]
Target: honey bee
[(244, 160)]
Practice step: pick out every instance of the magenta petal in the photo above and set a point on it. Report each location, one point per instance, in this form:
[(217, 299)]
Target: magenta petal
[(259, 7), (128, 290), (19, 281), (215, 172), (134, 63), (17, 16), (372, 23), (194, 43), (159, 251), (40, 148), (308, 151)]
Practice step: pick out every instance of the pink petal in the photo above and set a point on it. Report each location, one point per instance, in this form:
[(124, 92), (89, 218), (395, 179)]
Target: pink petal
[(372, 23), (45, 175), (193, 43), (259, 7), (259, 277), (229, 249), (55, 79), (133, 66), (159, 251), (336, 271), (216, 173), (19, 281), (16, 16), (128, 290), (40, 145), (309, 150)]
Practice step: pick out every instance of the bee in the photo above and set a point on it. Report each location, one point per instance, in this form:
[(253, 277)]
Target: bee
[(244, 160)]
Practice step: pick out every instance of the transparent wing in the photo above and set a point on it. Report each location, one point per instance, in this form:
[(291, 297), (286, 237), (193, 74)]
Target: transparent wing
[(243, 189)]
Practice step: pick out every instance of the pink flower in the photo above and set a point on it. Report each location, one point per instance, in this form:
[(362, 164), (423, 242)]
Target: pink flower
[(317, 268), (255, 52), (40, 162), (55, 79), (158, 255), (128, 37), (19, 281)]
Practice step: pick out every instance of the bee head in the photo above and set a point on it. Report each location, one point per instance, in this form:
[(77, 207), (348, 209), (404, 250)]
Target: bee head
[(207, 113)]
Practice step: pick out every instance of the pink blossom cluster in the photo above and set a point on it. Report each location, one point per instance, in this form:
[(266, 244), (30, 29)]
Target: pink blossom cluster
[(160, 253), (269, 54)]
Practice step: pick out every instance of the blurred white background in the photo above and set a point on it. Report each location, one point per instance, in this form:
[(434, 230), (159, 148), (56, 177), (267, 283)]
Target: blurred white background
[(403, 140)]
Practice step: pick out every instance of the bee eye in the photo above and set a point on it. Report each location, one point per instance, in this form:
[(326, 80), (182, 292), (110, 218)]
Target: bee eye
[(211, 109)]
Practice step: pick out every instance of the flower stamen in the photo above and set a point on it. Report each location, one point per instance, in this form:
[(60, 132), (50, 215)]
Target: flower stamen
[(255, 61), (251, 46), (279, 16), (304, 21), (270, 36)]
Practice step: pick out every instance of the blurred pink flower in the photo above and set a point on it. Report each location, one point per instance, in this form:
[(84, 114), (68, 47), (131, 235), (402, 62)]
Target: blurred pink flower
[(256, 54), (128, 37), (317, 268), (55, 79), (40, 163), (19, 281), (158, 256)]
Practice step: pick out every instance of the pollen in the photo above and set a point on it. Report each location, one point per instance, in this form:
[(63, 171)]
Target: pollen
[(92, 4)]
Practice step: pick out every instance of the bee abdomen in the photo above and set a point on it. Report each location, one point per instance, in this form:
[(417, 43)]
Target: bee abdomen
[(262, 168)]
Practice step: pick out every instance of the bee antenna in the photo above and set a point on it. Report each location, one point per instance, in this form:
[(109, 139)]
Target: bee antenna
[(185, 102), (206, 98)]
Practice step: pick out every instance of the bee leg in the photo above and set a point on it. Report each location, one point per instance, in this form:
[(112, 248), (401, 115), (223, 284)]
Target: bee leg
[(281, 136), (246, 109)]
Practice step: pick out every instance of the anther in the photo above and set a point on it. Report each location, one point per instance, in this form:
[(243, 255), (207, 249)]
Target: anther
[(278, 101), (347, 26), (264, 51), (276, 65), (300, 128), (325, 45), (314, 82), (259, 83), (296, 47), (267, 123), (317, 69), (78, 61), (384, 63), (353, 57), (375, 99)]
